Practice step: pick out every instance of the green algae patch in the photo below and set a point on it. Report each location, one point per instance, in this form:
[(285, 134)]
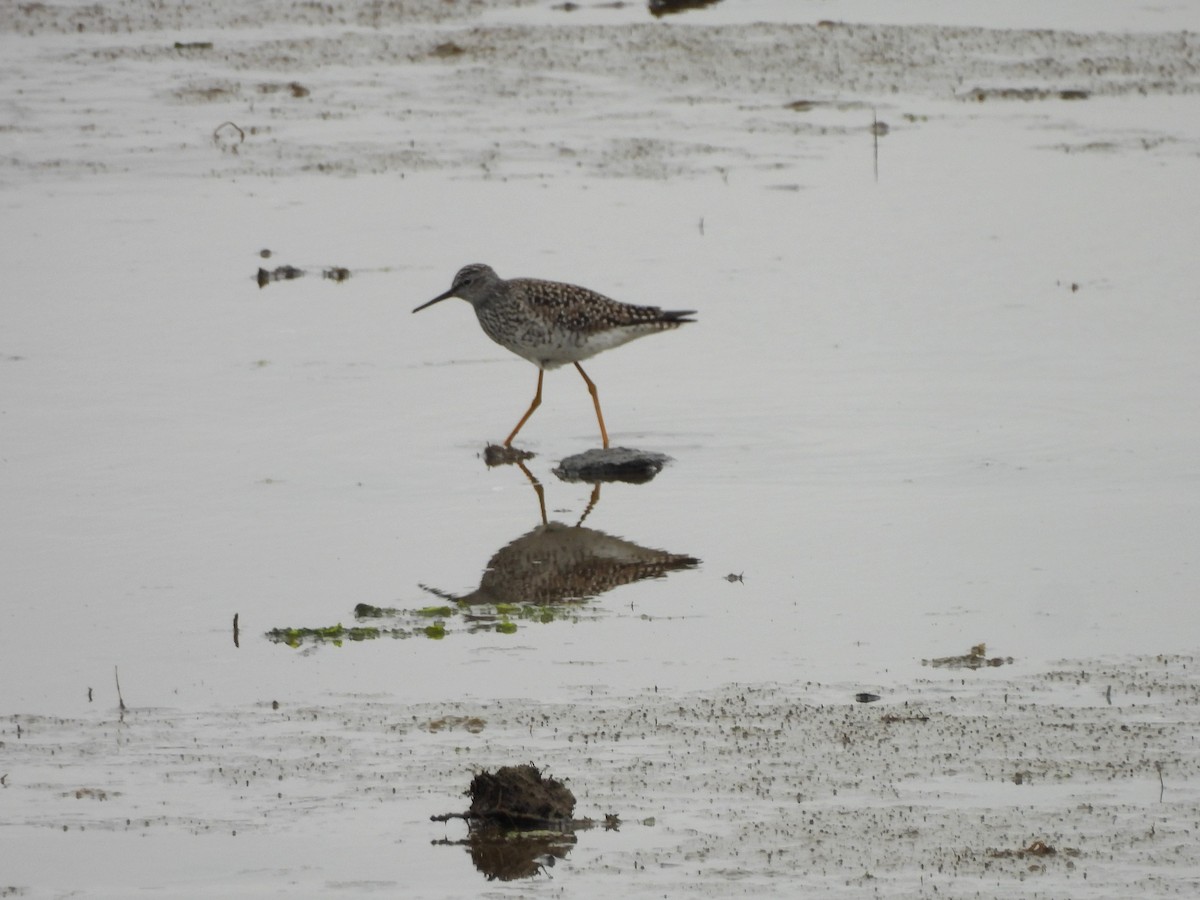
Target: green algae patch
[(435, 623), (330, 634), (545, 614), (448, 621)]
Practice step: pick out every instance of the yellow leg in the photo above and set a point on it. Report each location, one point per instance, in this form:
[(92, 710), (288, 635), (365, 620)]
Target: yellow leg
[(591, 503), (596, 401), (537, 401), (537, 487)]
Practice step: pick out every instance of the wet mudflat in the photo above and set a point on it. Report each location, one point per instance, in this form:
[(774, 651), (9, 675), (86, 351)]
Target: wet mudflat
[(1079, 780), (941, 391)]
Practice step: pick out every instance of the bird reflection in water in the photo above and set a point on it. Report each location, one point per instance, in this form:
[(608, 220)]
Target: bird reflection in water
[(560, 563)]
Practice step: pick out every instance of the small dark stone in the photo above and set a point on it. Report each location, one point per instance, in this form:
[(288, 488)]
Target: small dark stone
[(667, 7), (614, 464), (280, 273)]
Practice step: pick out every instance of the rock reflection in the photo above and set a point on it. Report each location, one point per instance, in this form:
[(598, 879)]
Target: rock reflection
[(504, 855), (508, 856)]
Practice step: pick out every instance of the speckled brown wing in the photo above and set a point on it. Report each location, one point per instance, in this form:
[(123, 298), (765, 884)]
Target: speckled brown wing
[(568, 307)]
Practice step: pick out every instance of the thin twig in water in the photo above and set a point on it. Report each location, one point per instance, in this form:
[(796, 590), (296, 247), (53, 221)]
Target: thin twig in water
[(120, 699), (437, 592), (875, 138)]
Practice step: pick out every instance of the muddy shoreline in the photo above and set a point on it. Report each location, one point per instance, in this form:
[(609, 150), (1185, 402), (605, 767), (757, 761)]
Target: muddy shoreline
[(319, 89), (942, 788)]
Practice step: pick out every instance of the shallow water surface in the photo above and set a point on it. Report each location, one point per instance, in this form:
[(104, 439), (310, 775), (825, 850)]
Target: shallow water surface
[(940, 392)]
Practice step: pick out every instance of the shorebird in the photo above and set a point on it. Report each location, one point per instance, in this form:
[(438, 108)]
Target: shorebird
[(550, 323)]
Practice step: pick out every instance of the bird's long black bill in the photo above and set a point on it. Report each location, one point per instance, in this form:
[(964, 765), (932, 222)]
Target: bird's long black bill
[(439, 297)]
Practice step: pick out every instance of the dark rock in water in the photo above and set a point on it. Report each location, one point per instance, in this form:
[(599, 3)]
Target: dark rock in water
[(280, 273), (519, 797), (613, 464), (667, 7)]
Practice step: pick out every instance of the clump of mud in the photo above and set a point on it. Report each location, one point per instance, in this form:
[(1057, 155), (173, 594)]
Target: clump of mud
[(519, 797), (520, 822), (279, 273), (1037, 848), (290, 273), (975, 658)]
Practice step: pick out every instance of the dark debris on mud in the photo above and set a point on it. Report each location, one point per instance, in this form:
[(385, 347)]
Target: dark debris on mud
[(336, 274), (519, 797), (975, 780), (975, 658)]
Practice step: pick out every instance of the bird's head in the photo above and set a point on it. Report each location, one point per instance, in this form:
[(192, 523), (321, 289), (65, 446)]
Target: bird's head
[(473, 283)]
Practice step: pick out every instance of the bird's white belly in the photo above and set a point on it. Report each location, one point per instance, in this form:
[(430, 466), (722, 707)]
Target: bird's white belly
[(550, 349)]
